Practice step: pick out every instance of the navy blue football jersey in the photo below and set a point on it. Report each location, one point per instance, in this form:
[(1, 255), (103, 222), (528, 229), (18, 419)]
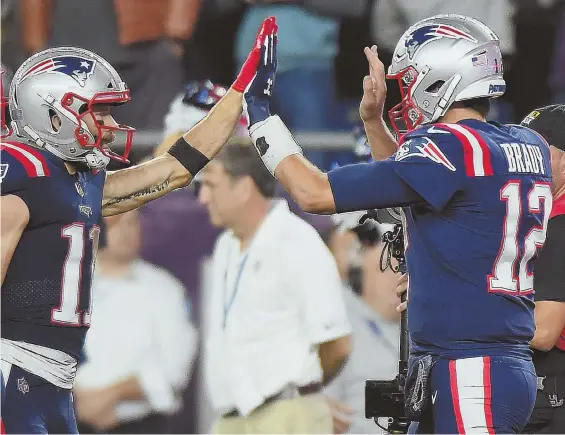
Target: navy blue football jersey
[(471, 245), (46, 291), (476, 199)]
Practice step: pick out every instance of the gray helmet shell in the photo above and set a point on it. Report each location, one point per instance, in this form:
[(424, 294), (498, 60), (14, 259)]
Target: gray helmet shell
[(67, 82)]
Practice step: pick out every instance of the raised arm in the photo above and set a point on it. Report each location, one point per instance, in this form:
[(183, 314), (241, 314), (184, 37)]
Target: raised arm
[(355, 187), (349, 188), (130, 188)]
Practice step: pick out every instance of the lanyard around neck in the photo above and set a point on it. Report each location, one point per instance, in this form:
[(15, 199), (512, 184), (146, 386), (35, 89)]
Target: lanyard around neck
[(228, 303)]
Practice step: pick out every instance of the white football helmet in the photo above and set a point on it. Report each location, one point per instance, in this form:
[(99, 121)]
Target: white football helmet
[(441, 60), (68, 82)]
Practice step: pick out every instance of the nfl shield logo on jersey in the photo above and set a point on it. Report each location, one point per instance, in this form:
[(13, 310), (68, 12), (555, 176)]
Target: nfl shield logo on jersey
[(85, 210), (23, 386)]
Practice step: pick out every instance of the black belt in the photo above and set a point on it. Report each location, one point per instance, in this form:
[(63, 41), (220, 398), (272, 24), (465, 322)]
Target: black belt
[(305, 390)]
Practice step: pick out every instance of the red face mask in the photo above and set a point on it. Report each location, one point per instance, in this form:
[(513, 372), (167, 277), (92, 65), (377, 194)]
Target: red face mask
[(405, 116), (125, 132)]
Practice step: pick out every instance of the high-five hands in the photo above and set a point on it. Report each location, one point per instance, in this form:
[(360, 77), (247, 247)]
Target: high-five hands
[(272, 139), (257, 95), (255, 63)]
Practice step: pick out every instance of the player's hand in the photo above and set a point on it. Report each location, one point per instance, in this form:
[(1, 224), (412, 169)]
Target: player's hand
[(257, 95), (340, 411), (267, 30), (374, 87), (401, 288)]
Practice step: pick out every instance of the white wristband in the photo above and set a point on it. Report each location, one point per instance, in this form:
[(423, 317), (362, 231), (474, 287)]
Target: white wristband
[(273, 142)]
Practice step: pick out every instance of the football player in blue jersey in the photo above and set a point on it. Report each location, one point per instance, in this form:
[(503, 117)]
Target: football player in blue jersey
[(476, 198), (55, 191)]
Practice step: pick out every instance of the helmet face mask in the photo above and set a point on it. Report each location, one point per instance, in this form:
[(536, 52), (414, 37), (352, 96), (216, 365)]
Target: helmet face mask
[(439, 61), (405, 116), (70, 84), (87, 117)]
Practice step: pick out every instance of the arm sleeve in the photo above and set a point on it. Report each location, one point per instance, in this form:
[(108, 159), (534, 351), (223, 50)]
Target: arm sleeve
[(422, 170), (315, 282), (549, 269), (15, 180), (369, 185), (13, 176)]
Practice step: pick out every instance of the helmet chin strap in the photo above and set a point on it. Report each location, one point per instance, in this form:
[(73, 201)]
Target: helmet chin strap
[(442, 106), (94, 158)]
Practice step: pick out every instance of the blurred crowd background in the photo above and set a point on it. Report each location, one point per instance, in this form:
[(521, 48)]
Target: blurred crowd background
[(176, 56)]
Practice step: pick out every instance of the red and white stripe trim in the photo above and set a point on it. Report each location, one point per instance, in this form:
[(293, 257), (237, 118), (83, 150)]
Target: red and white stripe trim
[(38, 68), (471, 392), (32, 160), (475, 150)]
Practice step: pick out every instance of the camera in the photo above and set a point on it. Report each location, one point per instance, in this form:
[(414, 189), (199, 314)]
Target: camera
[(386, 398)]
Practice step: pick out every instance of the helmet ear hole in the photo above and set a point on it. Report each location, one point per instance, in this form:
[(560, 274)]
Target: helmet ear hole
[(55, 121), (436, 86)]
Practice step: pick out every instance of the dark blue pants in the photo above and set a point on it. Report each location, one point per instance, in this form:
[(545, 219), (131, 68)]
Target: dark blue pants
[(479, 395), (32, 405)]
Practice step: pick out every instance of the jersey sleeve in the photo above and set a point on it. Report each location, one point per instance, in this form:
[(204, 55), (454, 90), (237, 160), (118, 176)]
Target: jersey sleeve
[(20, 173), (369, 185), (427, 168), (549, 269), (14, 177), (431, 163)]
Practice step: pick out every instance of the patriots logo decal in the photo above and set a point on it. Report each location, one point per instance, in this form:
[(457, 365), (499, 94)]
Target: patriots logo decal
[(79, 68), (427, 149), (425, 34)]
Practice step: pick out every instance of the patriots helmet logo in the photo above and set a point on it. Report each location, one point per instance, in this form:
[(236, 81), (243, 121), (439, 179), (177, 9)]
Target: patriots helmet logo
[(431, 32), (79, 68)]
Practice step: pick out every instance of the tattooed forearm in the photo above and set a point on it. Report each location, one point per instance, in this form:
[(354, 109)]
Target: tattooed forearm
[(118, 205), (149, 192)]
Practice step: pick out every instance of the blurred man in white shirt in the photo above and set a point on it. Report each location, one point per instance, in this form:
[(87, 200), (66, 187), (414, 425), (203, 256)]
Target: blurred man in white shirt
[(141, 345), (276, 323)]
